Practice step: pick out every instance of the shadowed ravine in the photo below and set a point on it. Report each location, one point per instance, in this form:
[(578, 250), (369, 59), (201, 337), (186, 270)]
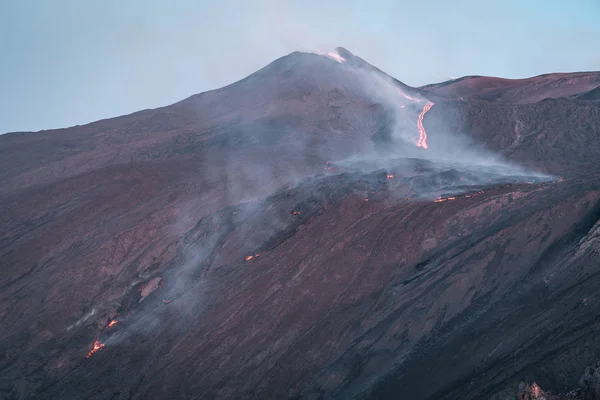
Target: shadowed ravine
[(316, 230)]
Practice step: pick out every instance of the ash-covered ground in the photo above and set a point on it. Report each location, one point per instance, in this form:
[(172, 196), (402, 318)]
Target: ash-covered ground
[(317, 230)]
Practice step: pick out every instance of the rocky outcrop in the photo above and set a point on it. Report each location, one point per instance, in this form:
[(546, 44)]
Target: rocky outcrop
[(589, 388)]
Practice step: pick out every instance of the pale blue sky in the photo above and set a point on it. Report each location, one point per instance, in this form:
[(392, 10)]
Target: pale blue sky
[(67, 62)]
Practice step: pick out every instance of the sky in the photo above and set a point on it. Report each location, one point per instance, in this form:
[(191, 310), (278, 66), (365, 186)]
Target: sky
[(70, 62)]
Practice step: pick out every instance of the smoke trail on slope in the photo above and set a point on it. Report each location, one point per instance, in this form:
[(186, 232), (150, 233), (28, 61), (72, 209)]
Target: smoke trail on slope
[(405, 136)]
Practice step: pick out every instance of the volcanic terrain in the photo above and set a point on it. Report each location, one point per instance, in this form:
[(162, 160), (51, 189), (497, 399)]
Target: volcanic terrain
[(317, 230)]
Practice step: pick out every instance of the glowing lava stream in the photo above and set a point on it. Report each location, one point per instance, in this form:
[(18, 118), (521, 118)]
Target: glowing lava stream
[(112, 323), (97, 346), (408, 97), (248, 258), (422, 133), (442, 199)]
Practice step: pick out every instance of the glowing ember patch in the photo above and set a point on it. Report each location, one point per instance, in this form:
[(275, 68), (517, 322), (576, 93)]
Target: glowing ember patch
[(442, 199), (112, 323), (295, 212), (475, 194), (422, 133), (97, 347), (248, 258), (390, 176)]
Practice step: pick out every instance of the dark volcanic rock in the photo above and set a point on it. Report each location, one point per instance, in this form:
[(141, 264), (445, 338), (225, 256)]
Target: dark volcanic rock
[(283, 237), (593, 94), (530, 90), (589, 388)]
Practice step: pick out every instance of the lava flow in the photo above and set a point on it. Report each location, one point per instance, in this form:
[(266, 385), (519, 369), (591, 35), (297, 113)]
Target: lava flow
[(112, 323), (475, 194), (408, 97), (442, 199), (422, 133), (390, 176), (97, 346), (248, 258)]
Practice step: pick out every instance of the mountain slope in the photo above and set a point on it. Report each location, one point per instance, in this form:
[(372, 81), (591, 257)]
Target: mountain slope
[(529, 90), (285, 237)]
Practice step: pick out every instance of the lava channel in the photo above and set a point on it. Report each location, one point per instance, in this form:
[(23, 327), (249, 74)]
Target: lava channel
[(422, 133), (97, 347), (422, 142), (112, 323)]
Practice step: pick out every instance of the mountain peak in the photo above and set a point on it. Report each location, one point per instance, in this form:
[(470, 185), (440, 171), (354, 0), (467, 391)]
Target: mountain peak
[(343, 52)]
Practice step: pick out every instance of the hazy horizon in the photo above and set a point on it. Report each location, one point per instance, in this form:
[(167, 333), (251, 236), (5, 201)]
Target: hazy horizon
[(71, 62)]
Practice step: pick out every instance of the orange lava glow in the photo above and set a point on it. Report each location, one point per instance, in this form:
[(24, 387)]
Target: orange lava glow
[(97, 347), (295, 212), (248, 258), (390, 176), (112, 323), (475, 194), (442, 199), (408, 97), (422, 133)]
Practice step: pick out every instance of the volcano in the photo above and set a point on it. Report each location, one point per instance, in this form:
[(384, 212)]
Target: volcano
[(317, 230)]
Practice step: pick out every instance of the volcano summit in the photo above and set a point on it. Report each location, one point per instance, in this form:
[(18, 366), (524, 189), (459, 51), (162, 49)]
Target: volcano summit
[(317, 230)]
